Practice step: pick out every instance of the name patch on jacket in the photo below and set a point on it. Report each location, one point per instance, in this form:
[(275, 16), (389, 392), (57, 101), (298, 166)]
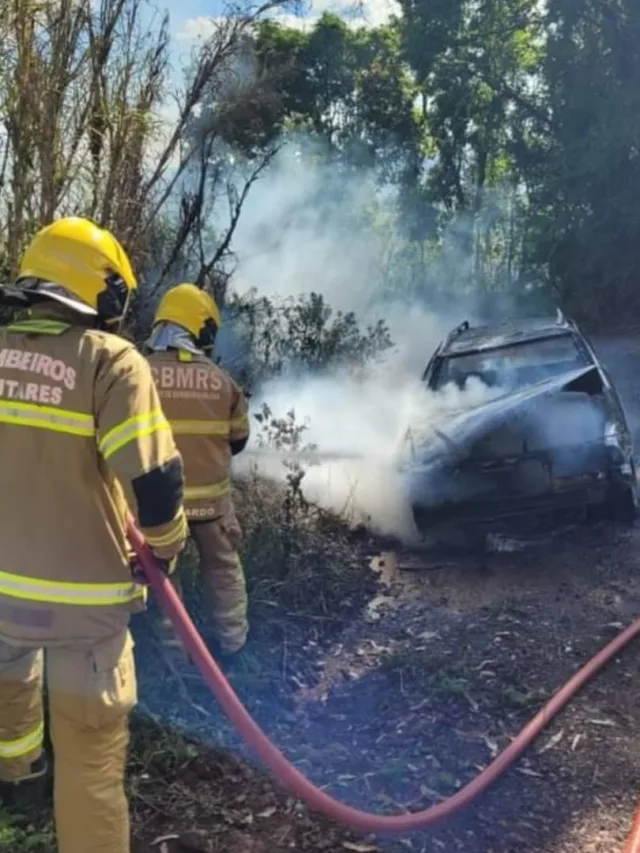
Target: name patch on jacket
[(187, 381), (42, 365)]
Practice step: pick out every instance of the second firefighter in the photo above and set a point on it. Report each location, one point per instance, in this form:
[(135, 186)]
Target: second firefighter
[(208, 414)]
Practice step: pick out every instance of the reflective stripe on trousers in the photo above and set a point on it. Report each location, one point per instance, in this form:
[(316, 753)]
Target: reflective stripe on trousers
[(21, 711), (18, 747), (91, 693), (68, 592)]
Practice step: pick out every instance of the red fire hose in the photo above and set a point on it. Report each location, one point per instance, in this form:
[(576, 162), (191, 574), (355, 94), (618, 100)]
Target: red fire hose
[(306, 790), (633, 841)]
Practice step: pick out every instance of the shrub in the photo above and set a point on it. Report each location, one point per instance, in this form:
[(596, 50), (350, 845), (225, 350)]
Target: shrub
[(304, 572), (300, 334)]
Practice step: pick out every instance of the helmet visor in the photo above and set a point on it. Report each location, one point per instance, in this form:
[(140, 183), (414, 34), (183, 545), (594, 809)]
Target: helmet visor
[(59, 294)]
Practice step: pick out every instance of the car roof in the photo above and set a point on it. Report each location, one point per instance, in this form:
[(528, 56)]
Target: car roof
[(466, 338)]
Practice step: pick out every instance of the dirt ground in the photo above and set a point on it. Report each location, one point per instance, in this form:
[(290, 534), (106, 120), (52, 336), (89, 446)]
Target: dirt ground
[(418, 696)]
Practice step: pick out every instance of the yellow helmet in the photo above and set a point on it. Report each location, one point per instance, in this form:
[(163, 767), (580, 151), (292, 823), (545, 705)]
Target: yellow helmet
[(188, 306), (79, 264)]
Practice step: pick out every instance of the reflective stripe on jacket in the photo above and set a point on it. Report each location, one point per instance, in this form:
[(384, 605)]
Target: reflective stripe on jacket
[(206, 411), (80, 422)]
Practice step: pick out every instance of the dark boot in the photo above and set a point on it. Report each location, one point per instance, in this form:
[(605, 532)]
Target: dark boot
[(30, 793), (239, 663)]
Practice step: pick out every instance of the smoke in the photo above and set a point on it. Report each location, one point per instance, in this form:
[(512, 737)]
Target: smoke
[(307, 228), (363, 423)]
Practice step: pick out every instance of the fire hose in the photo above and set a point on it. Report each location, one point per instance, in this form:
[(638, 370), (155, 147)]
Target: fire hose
[(302, 787)]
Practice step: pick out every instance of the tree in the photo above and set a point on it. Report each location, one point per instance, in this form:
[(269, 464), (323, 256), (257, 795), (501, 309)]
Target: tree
[(475, 65), (84, 97), (349, 88), (301, 334), (586, 175), (502, 135)]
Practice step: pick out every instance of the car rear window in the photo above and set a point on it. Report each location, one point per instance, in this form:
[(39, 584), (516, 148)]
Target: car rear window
[(514, 366)]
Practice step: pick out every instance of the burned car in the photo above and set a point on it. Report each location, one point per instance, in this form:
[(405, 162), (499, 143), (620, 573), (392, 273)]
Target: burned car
[(531, 431)]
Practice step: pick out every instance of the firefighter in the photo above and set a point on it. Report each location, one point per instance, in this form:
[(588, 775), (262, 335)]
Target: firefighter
[(208, 415), (82, 440)]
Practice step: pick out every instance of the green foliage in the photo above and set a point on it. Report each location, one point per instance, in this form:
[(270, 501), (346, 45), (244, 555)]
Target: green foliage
[(480, 61), (436, 103), (507, 130), (587, 160), (303, 333), (350, 88), (20, 835), (285, 435), (510, 129)]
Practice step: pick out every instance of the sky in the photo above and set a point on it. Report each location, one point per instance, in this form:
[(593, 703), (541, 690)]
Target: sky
[(190, 19)]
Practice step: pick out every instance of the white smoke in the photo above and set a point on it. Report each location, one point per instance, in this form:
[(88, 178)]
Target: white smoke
[(301, 232), (363, 423)]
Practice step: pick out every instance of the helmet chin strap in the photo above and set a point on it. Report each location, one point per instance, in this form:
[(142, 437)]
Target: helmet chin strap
[(113, 325), (207, 338), (119, 298), (113, 303)]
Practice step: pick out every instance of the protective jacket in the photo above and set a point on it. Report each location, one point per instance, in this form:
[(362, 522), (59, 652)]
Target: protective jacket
[(208, 414), (83, 439)]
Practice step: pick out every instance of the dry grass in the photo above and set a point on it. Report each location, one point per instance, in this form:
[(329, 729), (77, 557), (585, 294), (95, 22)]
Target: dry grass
[(304, 572)]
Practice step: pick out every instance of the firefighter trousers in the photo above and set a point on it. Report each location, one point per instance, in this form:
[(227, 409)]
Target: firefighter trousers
[(91, 691), (218, 542)]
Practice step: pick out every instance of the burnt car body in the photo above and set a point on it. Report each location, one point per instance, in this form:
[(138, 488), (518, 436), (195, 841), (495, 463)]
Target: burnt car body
[(536, 433)]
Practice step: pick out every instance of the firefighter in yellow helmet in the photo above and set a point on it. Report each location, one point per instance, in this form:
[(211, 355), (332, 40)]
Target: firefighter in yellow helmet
[(82, 440), (208, 415)]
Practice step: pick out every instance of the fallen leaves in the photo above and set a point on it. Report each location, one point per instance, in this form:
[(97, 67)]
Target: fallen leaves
[(492, 746), (267, 813), (407, 724), (553, 741), (527, 771)]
